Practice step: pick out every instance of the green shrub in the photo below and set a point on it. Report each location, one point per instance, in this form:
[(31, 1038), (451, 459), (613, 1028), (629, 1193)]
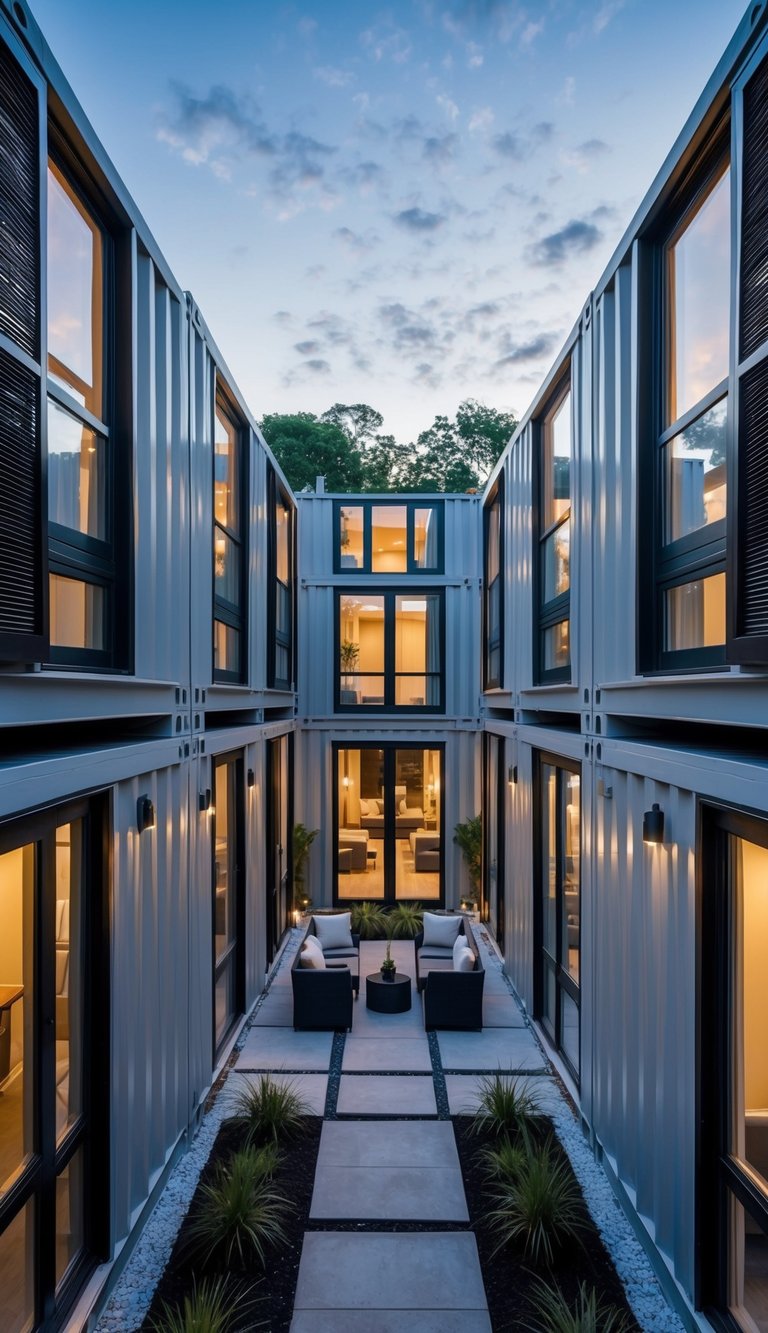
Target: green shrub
[(215, 1306), (405, 921), (589, 1315), (504, 1161), (369, 921), (269, 1112), (539, 1210), (240, 1214), (507, 1109)]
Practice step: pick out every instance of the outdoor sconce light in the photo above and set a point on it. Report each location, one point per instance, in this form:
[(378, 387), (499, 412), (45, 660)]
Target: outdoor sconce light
[(205, 800), (145, 813), (653, 824), (251, 778), (512, 774)]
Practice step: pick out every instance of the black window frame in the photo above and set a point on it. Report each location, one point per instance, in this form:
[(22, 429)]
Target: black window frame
[(368, 505), (90, 1131), (664, 565), (103, 564), (224, 611), (557, 609), (277, 493), (389, 675), (720, 1175), (564, 982), (493, 587)]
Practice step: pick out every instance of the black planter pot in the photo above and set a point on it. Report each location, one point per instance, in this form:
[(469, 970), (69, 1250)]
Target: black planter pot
[(388, 974)]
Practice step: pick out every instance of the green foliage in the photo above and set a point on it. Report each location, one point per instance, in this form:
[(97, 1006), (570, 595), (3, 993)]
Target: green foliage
[(405, 921), (306, 448), (505, 1160), (269, 1112), (506, 1108), (215, 1306), (389, 964), (346, 446), (469, 837), (240, 1214), (348, 654), (540, 1209), (588, 1315), (369, 921), (302, 841)]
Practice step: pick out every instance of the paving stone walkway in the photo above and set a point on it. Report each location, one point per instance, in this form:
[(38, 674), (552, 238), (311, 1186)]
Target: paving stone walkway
[(388, 1153)]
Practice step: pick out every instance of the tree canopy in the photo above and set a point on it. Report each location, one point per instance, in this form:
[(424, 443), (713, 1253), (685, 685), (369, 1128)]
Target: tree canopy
[(346, 445)]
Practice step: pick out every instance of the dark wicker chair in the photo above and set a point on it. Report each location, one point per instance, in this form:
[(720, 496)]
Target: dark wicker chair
[(323, 998), (452, 1000)]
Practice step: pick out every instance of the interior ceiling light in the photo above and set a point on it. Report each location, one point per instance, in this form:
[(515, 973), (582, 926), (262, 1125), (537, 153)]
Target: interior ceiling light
[(407, 605)]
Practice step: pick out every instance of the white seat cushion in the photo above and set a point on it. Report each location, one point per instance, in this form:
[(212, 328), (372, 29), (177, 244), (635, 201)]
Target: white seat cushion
[(441, 930), (312, 954), (340, 953), (464, 960), (334, 932)]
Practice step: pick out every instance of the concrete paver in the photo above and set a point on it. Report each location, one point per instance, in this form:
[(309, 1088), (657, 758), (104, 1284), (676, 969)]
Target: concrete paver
[(282, 1048), (372, 1094), (396, 1054), (492, 1049), (390, 1271)]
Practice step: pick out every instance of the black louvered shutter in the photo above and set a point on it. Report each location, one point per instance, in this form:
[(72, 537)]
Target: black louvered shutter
[(748, 477), (23, 564)]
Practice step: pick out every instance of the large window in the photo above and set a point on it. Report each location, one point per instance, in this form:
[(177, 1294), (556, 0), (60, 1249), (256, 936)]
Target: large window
[(555, 475), (389, 821), (390, 651), (229, 544), (495, 786), (279, 849), (691, 452), (388, 537), (81, 447), (53, 1042), (280, 673), (734, 1272), (493, 607), (227, 834), (558, 906)]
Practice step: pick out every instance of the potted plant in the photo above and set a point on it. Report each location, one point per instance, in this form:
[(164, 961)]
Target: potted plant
[(469, 837), (302, 841), (389, 966), (348, 654)]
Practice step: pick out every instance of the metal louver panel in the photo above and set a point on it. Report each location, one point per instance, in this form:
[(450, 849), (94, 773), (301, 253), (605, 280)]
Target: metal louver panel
[(20, 572), (19, 206), (753, 468)]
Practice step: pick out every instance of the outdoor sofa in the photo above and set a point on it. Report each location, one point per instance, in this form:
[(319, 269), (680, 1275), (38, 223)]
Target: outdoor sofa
[(452, 1000), (323, 998)]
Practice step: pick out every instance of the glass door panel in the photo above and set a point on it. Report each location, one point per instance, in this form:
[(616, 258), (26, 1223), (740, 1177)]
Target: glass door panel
[(571, 896), (360, 828), (418, 832), (68, 961), (226, 890), (17, 1016), (559, 906), (17, 1272)]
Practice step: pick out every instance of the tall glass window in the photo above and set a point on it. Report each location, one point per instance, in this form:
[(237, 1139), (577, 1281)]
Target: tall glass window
[(692, 442), (226, 816), (390, 651), (559, 907), (281, 666), (389, 537), (494, 588), (555, 467), (80, 447), (229, 546)]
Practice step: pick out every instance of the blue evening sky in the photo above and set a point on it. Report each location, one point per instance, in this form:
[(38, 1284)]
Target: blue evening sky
[(402, 205)]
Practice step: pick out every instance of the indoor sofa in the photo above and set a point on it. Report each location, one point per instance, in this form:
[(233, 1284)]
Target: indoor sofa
[(425, 850), (452, 999)]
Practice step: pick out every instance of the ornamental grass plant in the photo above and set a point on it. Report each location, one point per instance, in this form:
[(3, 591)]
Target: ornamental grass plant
[(240, 1215), (269, 1112)]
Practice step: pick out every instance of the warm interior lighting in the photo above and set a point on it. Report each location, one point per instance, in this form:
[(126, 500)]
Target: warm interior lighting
[(653, 824), (145, 814)]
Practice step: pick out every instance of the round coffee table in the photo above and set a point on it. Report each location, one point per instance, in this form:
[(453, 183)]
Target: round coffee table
[(388, 997)]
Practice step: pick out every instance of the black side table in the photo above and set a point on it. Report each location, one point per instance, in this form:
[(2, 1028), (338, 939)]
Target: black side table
[(388, 997)]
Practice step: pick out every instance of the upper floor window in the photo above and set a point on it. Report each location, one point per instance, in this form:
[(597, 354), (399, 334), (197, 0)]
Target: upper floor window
[(390, 651), (280, 671), (229, 544), (691, 444), (554, 596), (493, 611), (389, 537), (81, 447)]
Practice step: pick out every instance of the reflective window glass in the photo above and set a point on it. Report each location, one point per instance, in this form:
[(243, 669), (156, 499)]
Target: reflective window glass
[(361, 649), (76, 474), (226, 470), (75, 294), (557, 463), (389, 533), (556, 650), (698, 262), (227, 567), (77, 613), (425, 539), (750, 1123), (695, 614), (226, 647), (70, 1220), (17, 1064), (283, 543), (69, 971), (17, 1271), (351, 536), (556, 556), (695, 466)]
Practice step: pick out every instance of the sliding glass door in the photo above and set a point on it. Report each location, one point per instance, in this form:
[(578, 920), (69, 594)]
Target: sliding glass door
[(493, 836), (558, 906), (227, 896), (389, 823), (53, 1038), (279, 820), (734, 1065)]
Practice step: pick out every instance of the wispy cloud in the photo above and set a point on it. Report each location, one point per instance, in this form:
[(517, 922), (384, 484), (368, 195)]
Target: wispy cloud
[(333, 77), (419, 220), (518, 146), (577, 237), (440, 149), (607, 11)]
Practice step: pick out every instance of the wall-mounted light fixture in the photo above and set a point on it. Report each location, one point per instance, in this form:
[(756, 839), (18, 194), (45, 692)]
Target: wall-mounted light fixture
[(653, 824), (205, 800), (251, 779), (145, 814), (512, 774), (345, 782)]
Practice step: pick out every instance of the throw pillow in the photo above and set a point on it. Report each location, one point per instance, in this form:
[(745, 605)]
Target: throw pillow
[(312, 954), (459, 946), (465, 962), (334, 932), (364, 808), (403, 806), (440, 931)]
